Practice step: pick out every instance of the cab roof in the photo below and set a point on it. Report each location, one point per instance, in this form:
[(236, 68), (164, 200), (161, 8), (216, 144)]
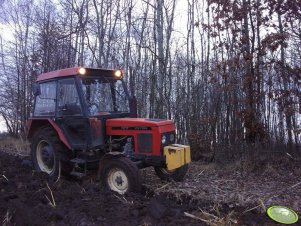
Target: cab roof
[(75, 71)]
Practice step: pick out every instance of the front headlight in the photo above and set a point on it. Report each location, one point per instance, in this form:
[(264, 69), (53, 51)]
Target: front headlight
[(163, 139)]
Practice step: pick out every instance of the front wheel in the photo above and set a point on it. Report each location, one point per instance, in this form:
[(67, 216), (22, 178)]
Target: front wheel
[(120, 174), (176, 174)]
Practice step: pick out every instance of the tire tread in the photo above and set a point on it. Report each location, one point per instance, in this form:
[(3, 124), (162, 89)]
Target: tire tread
[(178, 175)]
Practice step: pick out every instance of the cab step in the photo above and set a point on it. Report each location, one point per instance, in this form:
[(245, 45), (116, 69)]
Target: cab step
[(78, 161)]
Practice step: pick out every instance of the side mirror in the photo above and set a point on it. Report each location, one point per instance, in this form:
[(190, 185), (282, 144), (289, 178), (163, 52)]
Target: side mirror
[(36, 89), (133, 107)]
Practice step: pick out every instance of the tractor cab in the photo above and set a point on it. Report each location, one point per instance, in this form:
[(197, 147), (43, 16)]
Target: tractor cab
[(80, 101), (84, 119)]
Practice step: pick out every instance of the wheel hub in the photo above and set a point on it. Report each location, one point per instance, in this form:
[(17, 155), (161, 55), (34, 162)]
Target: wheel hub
[(118, 181), (47, 156)]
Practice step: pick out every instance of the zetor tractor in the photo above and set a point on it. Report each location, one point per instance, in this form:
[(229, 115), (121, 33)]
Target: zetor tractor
[(84, 121)]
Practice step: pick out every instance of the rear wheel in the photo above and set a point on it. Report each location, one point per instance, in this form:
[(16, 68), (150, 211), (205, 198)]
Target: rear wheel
[(120, 174), (176, 174), (46, 151)]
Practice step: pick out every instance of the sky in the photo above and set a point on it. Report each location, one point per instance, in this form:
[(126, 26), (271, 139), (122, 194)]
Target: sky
[(2, 125), (2, 122), (180, 26), (5, 36)]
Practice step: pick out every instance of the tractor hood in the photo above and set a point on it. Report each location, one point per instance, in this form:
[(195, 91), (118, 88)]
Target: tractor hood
[(137, 122), (147, 133)]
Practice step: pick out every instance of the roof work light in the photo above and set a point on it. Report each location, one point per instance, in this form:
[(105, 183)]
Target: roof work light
[(82, 71), (118, 73)]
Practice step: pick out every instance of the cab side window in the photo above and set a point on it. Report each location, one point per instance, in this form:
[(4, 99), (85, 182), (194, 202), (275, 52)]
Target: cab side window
[(45, 102), (68, 99)]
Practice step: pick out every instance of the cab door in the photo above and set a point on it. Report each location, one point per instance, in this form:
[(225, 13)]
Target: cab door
[(69, 115)]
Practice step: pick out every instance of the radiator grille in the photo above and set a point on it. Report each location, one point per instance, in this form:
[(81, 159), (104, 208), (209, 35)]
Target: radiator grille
[(145, 142)]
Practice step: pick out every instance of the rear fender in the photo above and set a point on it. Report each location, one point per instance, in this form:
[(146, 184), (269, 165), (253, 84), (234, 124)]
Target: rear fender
[(33, 125)]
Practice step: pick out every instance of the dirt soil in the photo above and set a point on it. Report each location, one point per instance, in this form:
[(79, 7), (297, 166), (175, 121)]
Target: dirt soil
[(210, 195)]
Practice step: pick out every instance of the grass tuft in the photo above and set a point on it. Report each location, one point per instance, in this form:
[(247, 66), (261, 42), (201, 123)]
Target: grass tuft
[(7, 219), (14, 146)]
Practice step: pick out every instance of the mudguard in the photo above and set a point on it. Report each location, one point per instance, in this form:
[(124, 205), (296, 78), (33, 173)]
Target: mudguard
[(34, 125)]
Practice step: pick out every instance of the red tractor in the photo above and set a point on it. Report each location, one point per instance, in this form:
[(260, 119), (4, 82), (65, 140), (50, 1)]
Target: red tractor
[(84, 121)]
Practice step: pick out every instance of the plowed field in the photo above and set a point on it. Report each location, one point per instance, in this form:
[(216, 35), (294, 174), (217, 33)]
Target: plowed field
[(210, 195)]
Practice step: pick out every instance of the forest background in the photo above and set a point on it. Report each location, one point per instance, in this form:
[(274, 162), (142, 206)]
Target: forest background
[(228, 72)]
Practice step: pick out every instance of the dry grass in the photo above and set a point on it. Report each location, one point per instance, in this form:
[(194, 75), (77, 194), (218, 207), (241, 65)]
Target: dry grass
[(216, 219), (15, 146), (51, 201), (249, 184), (263, 164), (7, 219)]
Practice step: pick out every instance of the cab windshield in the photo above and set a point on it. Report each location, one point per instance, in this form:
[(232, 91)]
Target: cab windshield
[(104, 96)]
